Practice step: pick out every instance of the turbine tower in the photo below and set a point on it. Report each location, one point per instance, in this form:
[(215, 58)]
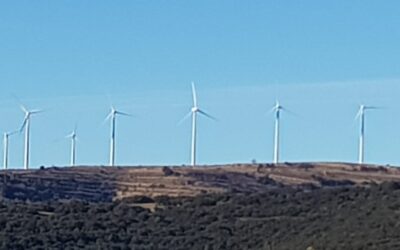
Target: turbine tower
[(112, 116), (361, 116), (73, 138), (26, 124), (193, 112), (277, 110), (5, 141)]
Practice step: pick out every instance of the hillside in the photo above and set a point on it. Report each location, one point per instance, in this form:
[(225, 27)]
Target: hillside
[(116, 183), (305, 206), (279, 219)]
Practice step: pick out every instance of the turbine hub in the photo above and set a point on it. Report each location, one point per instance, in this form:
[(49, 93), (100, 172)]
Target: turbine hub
[(195, 109)]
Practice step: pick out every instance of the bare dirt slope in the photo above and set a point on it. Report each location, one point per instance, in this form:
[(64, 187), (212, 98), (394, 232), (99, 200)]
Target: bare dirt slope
[(113, 183)]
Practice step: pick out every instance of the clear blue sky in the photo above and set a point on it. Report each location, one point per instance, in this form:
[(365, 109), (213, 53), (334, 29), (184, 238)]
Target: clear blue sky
[(321, 59)]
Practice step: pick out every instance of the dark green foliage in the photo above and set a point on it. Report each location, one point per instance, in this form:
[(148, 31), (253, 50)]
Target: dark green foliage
[(283, 218)]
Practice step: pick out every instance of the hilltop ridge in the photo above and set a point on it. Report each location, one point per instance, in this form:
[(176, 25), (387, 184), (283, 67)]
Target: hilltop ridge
[(97, 184)]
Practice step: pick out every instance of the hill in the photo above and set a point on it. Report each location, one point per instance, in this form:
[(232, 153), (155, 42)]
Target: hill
[(304, 206), (98, 184)]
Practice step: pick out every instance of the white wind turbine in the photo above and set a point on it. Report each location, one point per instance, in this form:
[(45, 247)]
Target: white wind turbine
[(112, 116), (5, 141), (277, 110), (26, 124), (193, 112), (73, 138), (361, 115)]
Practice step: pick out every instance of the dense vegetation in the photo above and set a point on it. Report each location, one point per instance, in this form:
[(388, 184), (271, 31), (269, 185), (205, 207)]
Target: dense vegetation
[(284, 218)]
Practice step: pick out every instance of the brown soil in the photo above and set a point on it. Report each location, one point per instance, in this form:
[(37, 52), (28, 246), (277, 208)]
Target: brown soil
[(116, 183)]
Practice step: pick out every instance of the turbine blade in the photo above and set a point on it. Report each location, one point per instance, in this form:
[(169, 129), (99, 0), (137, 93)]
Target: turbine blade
[(194, 95), (289, 111), (123, 114), (23, 124), (358, 115), (36, 111), (374, 107), (272, 110), (69, 136), (207, 115), (108, 117), (72, 135), (22, 106), (185, 118), (12, 132)]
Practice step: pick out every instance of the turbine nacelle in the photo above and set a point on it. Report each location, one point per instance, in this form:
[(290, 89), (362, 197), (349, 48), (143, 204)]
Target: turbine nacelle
[(114, 112), (28, 114), (364, 108), (8, 134), (71, 136), (195, 109), (277, 108)]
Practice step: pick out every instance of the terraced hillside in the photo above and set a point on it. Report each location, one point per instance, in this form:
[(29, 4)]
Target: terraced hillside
[(115, 183)]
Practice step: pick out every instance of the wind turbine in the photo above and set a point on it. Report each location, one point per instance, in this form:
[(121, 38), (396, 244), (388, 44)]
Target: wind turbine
[(277, 110), (193, 112), (5, 141), (73, 138), (361, 116), (112, 116), (26, 124)]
